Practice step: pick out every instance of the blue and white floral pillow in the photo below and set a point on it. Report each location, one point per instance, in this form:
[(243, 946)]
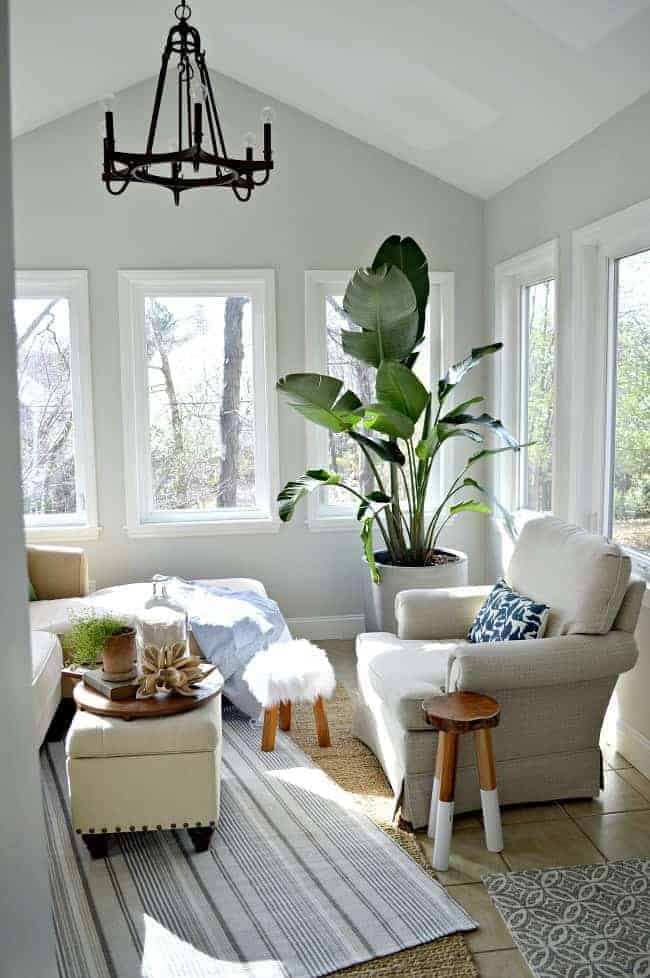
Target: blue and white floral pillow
[(508, 616)]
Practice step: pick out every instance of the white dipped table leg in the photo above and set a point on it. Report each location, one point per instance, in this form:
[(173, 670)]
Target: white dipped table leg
[(492, 820), (444, 829), (435, 794), (489, 793)]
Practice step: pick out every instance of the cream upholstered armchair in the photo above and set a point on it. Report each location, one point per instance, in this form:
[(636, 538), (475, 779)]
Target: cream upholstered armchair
[(553, 691)]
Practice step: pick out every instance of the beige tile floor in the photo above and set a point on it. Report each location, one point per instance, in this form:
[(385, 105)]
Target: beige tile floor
[(616, 825)]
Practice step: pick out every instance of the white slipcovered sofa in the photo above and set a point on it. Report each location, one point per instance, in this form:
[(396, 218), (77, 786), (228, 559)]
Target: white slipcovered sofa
[(60, 579), (553, 691)]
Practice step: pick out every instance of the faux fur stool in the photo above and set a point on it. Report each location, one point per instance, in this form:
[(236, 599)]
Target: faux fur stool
[(286, 673)]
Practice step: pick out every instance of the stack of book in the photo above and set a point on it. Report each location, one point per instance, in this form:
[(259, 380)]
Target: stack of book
[(123, 690)]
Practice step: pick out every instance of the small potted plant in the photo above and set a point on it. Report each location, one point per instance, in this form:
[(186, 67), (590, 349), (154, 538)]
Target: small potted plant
[(94, 636)]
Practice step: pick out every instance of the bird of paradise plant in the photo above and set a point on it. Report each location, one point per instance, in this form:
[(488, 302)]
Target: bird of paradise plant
[(406, 426)]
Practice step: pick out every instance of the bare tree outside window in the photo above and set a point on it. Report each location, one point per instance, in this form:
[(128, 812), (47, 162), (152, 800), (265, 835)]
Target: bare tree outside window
[(201, 402), (539, 344), (344, 457), (631, 488), (45, 405)]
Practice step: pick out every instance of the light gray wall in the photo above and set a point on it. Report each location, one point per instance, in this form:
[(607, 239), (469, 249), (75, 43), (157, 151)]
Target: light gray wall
[(26, 939), (328, 205), (603, 173)]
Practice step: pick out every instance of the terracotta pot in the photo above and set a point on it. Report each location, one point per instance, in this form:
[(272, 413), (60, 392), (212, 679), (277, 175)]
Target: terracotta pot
[(119, 656)]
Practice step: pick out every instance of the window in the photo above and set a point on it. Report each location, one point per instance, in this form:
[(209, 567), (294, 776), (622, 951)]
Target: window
[(525, 320), (199, 401), (610, 439), (55, 405), (537, 395), (627, 503), (324, 291)]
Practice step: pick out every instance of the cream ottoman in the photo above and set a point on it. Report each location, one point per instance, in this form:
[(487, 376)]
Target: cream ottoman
[(143, 775)]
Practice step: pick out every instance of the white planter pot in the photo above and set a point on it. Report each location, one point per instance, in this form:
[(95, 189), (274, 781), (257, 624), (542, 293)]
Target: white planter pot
[(380, 598)]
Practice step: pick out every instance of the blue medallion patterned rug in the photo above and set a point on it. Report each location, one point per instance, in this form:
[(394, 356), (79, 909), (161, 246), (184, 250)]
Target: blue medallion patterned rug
[(579, 921)]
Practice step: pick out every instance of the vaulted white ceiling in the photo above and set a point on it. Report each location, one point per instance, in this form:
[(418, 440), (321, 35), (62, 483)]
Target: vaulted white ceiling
[(477, 92)]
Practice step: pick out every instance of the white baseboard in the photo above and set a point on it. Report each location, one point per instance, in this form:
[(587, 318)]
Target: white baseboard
[(327, 626), (634, 746)]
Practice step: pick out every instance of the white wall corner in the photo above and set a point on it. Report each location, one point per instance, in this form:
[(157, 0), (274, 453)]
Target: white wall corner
[(634, 746)]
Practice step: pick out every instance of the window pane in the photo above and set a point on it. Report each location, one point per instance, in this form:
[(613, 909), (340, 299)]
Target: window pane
[(199, 353), (345, 457), (45, 405), (631, 510), (539, 368)]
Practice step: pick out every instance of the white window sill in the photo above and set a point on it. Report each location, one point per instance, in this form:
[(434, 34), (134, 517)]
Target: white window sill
[(61, 534), (203, 528)]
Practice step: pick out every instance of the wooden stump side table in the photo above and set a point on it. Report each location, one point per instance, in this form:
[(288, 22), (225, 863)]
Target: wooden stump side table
[(453, 715)]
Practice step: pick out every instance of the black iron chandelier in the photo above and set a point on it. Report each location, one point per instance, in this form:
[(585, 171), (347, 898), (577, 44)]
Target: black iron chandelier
[(196, 111)]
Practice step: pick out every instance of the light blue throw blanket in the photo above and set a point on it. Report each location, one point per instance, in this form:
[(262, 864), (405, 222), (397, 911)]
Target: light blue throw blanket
[(229, 627)]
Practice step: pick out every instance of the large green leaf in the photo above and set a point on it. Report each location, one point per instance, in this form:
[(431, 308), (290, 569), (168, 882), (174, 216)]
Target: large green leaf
[(461, 408), (483, 421), (448, 431), (382, 417), (456, 372), (407, 255), (485, 452), (386, 450), (398, 387), (470, 506), (428, 446), (372, 497), (384, 305), (318, 398), (293, 492)]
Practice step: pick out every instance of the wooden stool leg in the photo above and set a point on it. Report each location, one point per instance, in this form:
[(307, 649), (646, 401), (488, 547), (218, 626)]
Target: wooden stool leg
[(489, 794), (435, 793), (445, 810), (285, 715), (269, 728), (322, 726)]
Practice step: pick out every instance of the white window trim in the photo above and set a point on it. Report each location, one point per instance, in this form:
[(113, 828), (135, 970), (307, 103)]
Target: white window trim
[(442, 351), (595, 247), (71, 284), (134, 285), (510, 276)]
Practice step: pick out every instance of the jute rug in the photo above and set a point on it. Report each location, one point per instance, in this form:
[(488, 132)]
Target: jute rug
[(298, 883), (355, 768), (579, 921)]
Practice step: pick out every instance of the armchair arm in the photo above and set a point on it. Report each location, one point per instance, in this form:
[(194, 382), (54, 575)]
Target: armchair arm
[(429, 613), (58, 572), (558, 661)]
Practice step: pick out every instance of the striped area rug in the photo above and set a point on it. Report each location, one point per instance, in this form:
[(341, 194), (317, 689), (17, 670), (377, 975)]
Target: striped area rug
[(298, 883)]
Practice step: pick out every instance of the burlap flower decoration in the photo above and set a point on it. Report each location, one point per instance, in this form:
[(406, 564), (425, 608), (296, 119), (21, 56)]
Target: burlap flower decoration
[(168, 668)]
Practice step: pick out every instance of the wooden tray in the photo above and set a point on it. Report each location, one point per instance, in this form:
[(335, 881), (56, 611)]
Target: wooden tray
[(160, 705)]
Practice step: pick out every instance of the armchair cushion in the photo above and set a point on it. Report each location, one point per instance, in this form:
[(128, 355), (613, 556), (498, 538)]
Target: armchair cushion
[(438, 613), (397, 674), (580, 576), (507, 616)]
